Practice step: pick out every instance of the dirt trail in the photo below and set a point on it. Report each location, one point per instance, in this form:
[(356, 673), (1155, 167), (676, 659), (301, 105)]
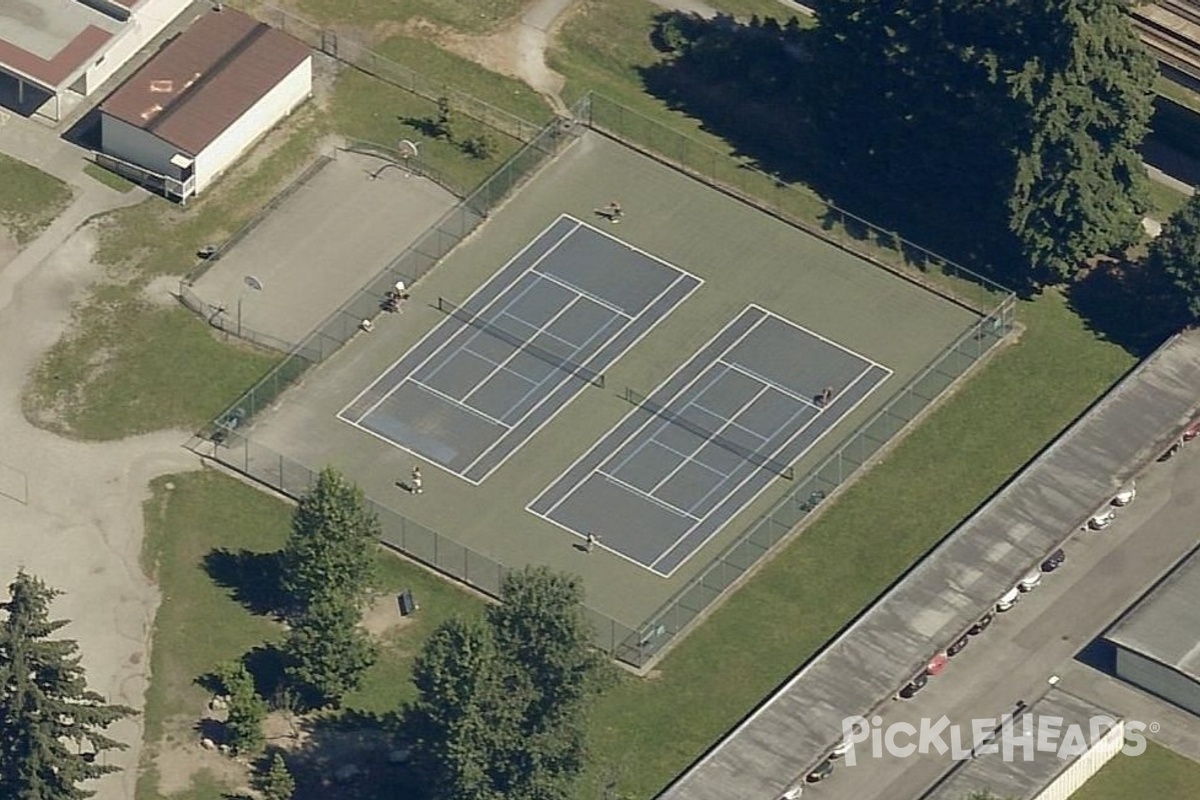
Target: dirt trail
[(70, 512)]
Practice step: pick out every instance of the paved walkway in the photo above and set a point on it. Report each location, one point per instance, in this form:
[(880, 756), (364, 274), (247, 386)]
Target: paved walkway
[(71, 512)]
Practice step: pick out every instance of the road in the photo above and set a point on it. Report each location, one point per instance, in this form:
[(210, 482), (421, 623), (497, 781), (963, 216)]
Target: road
[(1104, 573)]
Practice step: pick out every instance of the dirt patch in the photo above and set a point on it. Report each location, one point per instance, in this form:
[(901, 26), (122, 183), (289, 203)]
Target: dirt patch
[(8, 247), (161, 291), (179, 758), (383, 617)]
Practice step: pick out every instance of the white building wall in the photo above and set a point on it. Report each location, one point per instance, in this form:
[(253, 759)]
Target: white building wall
[(235, 140), (1087, 765), (145, 23), (128, 143)]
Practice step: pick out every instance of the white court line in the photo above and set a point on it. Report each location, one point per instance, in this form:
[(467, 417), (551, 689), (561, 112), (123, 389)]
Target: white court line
[(521, 348), (681, 275), (708, 467), (734, 423), (494, 362), (583, 536), (580, 292), (749, 373), (426, 387), (471, 296), (799, 456), (711, 437), (658, 501), (620, 445), (816, 335)]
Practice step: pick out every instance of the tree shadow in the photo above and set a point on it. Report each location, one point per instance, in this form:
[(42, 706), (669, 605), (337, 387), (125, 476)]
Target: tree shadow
[(252, 578), (355, 755), (911, 169), (1122, 304)]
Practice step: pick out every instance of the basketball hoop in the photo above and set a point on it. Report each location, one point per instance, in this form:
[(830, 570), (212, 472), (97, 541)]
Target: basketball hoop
[(407, 149)]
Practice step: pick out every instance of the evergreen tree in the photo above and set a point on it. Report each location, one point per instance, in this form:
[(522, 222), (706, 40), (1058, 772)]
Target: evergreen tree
[(1174, 258), (243, 727), (326, 653), (277, 782), (45, 704), (332, 546), (1079, 188)]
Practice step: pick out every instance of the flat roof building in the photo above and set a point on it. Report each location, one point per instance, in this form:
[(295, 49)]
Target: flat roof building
[(199, 104), (1084, 738), (1157, 642), (52, 50)]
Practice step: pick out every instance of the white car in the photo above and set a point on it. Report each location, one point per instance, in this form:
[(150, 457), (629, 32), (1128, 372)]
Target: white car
[(1102, 520), (1030, 581), (1009, 599), (1125, 496)]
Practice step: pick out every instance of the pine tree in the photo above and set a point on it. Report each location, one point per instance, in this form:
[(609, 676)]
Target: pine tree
[(243, 727), (326, 653), (1079, 188), (45, 704), (332, 546), (1174, 259), (277, 782)]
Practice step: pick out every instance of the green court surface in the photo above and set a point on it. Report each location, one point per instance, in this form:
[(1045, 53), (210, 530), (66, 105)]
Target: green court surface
[(744, 257)]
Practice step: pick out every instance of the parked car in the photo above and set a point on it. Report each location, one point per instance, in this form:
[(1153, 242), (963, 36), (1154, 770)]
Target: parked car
[(915, 685), (1102, 520), (959, 645), (820, 772), (1190, 432), (792, 794), (1170, 452), (1125, 496), (1009, 599), (981, 625), (1030, 581), (1054, 560)]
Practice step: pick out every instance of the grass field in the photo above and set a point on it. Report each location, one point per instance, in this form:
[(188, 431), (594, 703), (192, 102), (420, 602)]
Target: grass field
[(1158, 773), (200, 623), (30, 199)]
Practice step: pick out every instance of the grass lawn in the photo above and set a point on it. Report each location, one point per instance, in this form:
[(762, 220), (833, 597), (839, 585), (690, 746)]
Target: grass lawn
[(467, 16), (1158, 773), (110, 179), (1165, 201), (201, 624), (30, 199), (646, 732), (131, 363)]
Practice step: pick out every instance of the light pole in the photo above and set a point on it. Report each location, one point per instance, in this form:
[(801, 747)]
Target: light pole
[(251, 283)]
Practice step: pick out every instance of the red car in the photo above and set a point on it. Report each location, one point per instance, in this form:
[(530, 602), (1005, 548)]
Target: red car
[(1191, 431)]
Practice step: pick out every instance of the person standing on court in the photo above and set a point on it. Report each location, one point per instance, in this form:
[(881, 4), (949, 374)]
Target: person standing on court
[(414, 484), (614, 212), (590, 544)]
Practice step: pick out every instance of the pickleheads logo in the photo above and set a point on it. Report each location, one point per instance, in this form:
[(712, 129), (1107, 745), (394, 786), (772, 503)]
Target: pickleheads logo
[(1014, 738)]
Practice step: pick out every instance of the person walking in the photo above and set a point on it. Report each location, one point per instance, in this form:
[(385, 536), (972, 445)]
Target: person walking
[(414, 484), (591, 542)]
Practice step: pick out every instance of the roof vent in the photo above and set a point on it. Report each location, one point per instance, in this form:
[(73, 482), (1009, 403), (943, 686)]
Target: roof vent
[(151, 111), (162, 87)]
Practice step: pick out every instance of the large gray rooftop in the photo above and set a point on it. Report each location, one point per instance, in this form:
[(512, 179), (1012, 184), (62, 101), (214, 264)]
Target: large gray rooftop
[(1165, 624), (773, 748), (1015, 778)]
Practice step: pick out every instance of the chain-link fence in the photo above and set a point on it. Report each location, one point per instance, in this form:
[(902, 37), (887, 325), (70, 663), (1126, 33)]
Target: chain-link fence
[(414, 540), (741, 557), (410, 266), (344, 48), (793, 203)]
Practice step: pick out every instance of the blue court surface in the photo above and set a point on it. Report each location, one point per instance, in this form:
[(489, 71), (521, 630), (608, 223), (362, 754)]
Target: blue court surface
[(705, 443), (517, 351)]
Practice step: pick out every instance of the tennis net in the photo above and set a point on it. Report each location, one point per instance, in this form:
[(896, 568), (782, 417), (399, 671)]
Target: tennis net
[(640, 400), (452, 309)]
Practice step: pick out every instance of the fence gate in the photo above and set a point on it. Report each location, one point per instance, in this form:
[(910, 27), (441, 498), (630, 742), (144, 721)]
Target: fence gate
[(329, 43)]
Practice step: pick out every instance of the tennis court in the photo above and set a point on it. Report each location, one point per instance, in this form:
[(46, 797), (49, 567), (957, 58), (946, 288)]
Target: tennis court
[(505, 361), (691, 455)]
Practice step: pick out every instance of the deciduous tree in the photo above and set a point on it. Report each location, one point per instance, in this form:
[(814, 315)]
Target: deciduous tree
[(332, 547), (1174, 258), (50, 723)]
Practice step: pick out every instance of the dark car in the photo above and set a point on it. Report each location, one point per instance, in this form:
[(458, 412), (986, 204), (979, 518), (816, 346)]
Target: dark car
[(820, 772), (1054, 560), (980, 626), (915, 685), (958, 646)]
